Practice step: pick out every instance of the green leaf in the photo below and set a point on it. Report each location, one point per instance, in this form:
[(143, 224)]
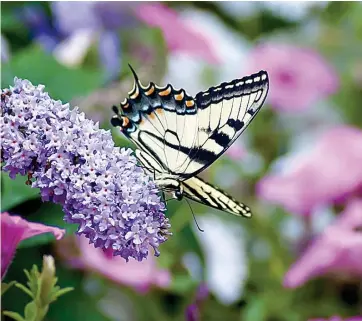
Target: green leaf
[(14, 315), (6, 286), (41, 68), (30, 311), (62, 292), (24, 289), (9, 22), (178, 214), (79, 307), (15, 191), (182, 283), (255, 310)]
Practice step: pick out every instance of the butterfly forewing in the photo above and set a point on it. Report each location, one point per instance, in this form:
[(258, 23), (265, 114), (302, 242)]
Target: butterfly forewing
[(239, 102)]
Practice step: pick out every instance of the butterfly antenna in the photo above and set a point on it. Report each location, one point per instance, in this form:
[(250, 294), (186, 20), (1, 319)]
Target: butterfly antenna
[(197, 224)]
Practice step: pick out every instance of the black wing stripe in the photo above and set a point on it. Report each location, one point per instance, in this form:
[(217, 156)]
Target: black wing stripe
[(148, 162), (145, 148), (188, 190), (205, 154)]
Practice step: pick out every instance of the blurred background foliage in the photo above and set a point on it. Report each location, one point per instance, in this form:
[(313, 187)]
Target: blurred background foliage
[(81, 57)]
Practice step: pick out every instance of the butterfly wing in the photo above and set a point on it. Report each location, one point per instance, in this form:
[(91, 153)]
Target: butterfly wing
[(163, 124), (224, 112), (198, 190), (181, 135)]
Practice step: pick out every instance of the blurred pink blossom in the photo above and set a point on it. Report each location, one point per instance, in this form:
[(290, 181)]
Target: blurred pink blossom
[(298, 76), (138, 275), (14, 229), (337, 250), (335, 318), (179, 35), (331, 172), (236, 152)]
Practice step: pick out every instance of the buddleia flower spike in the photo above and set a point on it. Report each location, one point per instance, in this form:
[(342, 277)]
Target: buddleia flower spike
[(74, 163)]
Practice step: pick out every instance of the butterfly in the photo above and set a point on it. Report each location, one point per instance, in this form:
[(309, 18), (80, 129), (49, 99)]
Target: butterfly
[(179, 136)]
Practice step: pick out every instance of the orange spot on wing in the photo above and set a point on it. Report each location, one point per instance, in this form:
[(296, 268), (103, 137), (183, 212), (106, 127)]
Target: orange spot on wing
[(190, 103), (152, 115), (179, 96), (159, 111), (165, 92), (125, 121), (150, 91)]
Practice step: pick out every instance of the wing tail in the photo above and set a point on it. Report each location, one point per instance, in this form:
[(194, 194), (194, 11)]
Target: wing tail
[(198, 190)]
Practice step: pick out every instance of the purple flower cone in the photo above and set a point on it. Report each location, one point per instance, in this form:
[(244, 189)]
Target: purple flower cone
[(76, 164)]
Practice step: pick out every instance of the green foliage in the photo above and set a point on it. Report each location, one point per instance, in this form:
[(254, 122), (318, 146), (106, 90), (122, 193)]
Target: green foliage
[(42, 288), (6, 286), (15, 192), (61, 82)]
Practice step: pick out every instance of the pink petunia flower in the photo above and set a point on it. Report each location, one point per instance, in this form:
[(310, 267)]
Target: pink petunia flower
[(331, 172), (138, 275), (179, 35), (298, 76), (337, 250), (14, 229), (336, 318)]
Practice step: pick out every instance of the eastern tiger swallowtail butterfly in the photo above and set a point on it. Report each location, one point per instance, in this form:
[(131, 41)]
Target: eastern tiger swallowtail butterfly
[(178, 136)]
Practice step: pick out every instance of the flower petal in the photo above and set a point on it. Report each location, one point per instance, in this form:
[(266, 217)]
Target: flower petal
[(179, 35), (14, 229)]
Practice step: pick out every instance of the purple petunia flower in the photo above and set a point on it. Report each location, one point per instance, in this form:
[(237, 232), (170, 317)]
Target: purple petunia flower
[(76, 164)]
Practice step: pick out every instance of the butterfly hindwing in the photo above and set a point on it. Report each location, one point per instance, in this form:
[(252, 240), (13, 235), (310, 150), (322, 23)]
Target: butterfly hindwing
[(198, 190)]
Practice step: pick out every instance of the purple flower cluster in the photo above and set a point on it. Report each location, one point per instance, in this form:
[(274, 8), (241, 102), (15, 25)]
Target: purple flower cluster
[(76, 164)]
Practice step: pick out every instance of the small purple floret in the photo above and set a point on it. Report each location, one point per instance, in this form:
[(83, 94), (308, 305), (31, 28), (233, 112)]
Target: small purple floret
[(75, 164)]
